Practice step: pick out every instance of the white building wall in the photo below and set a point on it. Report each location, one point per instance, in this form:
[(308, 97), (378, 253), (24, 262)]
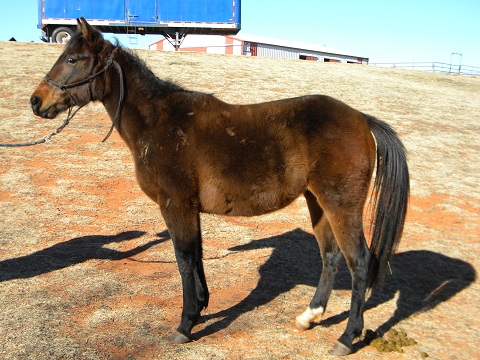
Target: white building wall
[(272, 51), (212, 44), (275, 51)]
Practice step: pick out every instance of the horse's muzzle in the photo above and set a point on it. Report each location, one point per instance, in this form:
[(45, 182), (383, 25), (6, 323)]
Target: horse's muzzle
[(49, 112)]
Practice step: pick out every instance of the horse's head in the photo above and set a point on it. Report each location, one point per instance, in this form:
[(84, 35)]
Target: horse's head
[(73, 79)]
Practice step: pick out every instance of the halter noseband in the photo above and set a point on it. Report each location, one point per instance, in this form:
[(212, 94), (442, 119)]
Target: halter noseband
[(90, 78)]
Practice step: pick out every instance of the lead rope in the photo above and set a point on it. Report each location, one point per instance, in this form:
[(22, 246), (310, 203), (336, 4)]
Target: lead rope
[(72, 113), (46, 137), (120, 101)]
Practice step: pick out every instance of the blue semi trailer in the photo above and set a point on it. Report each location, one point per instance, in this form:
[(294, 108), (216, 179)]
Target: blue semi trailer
[(172, 18)]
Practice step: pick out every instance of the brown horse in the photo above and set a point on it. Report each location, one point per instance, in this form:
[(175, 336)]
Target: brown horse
[(194, 153)]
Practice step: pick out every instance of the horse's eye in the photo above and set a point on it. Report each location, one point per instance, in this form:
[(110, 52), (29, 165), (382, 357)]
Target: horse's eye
[(71, 60)]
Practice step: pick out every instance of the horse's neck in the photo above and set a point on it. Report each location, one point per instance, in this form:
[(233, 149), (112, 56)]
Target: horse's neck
[(127, 125)]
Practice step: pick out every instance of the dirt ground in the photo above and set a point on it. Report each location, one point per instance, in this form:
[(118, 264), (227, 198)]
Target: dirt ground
[(87, 267)]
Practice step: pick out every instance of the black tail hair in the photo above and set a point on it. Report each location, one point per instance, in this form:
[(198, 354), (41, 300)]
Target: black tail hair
[(391, 190)]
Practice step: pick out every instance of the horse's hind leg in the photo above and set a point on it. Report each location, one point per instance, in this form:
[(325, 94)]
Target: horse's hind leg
[(184, 226), (357, 256), (342, 199), (346, 223), (331, 255)]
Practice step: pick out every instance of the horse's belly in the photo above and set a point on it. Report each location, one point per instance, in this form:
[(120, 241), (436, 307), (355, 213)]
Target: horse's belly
[(247, 200), (252, 181)]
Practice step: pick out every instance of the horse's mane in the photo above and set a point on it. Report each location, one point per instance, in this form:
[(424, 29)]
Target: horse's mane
[(148, 80)]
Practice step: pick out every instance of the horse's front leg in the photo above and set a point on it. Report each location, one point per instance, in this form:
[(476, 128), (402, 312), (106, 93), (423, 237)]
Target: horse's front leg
[(183, 223)]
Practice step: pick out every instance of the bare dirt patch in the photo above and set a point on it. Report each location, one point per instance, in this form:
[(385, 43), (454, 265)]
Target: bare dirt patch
[(88, 270)]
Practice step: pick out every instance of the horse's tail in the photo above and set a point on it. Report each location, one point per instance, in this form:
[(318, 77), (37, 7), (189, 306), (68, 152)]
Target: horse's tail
[(391, 190)]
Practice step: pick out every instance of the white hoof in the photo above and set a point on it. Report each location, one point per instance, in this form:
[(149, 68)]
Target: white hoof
[(302, 322)]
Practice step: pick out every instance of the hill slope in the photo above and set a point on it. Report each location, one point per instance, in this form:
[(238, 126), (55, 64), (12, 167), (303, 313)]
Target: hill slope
[(87, 272)]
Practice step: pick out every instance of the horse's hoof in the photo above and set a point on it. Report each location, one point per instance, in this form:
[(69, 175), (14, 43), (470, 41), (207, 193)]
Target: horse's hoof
[(179, 338), (340, 350), (298, 326)]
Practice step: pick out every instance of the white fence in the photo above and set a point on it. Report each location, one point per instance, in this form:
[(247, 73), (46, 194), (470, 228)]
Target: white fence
[(433, 67)]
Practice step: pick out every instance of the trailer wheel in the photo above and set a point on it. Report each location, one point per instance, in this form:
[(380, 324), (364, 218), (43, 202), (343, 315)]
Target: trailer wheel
[(61, 35)]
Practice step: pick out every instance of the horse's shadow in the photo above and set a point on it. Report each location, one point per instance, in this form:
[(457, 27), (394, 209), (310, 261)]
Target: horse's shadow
[(422, 278), (71, 252)]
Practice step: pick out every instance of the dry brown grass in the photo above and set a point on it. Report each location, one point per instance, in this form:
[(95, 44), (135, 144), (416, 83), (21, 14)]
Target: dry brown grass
[(86, 275)]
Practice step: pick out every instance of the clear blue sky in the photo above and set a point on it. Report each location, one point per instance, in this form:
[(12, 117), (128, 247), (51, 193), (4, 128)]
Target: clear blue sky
[(383, 30)]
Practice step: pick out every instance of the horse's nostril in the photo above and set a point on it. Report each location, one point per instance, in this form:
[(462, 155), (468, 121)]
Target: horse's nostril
[(35, 102)]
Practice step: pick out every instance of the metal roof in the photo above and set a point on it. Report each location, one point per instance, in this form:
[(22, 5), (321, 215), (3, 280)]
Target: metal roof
[(294, 45)]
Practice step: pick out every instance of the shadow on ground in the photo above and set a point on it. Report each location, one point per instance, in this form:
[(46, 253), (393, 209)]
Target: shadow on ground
[(71, 252), (422, 278)]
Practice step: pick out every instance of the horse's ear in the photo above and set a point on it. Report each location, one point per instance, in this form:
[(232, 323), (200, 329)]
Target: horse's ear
[(89, 33), (84, 27)]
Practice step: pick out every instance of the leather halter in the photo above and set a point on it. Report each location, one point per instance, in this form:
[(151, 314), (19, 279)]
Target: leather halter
[(90, 78)]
